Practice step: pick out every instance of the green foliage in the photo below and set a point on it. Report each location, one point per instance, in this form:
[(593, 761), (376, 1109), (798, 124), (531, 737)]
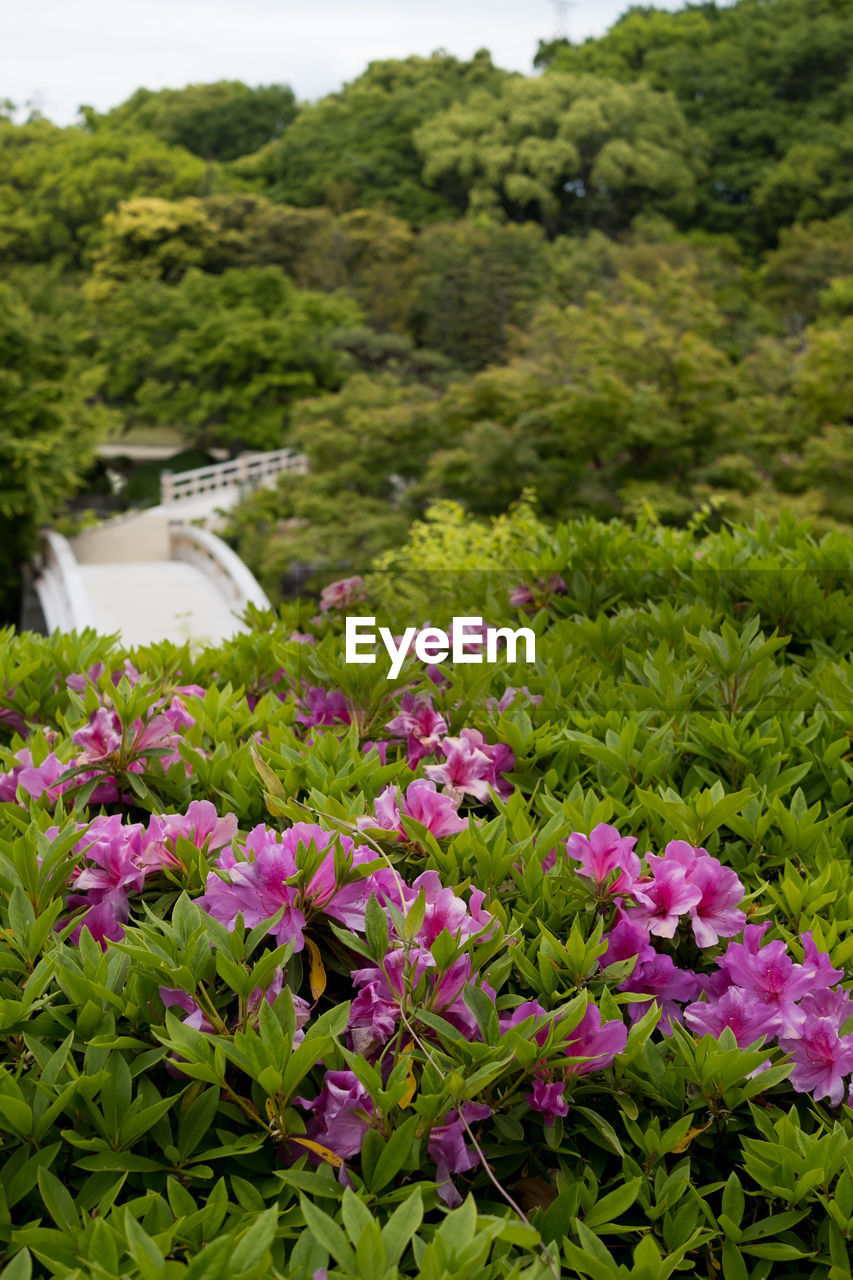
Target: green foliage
[(571, 152), (355, 148), (768, 83), (226, 355), (59, 183), (220, 121)]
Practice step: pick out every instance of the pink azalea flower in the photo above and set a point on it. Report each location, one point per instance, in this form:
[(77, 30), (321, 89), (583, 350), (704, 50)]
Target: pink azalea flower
[(108, 848), (599, 1041), (200, 824), (624, 940), (447, 1148), (198, 1019), (343, 1110), (656, 976), (472, 767), (104, 920), (423, 802), (420, 724), (548, 1097), (734, 1009), (769, 975), (322, 707), (601, 853), (258, 888), (717, 914), (661, 901), (821, 1059), (528, 1009), (36, 780), (342, 594)]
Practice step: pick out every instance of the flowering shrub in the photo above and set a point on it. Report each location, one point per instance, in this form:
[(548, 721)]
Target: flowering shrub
[(307, 972)]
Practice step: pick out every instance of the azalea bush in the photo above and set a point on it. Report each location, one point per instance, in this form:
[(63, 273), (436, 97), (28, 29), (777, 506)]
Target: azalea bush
[(494, 970)]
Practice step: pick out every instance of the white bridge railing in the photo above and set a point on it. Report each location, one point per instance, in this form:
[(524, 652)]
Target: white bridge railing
[(217, 561), (59, 587), (249, 469)]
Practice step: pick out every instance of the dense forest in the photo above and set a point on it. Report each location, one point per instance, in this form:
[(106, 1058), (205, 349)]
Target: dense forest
[(621, 284)]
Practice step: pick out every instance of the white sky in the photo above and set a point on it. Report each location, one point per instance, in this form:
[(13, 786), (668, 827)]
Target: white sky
[(57, 54)]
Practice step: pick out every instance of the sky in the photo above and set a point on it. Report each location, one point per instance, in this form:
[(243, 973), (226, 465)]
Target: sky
[(57, 54)]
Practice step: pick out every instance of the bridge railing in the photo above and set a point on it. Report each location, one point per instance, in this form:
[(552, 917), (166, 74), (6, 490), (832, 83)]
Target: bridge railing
[(215, 558), (60, 589), (249, 470)]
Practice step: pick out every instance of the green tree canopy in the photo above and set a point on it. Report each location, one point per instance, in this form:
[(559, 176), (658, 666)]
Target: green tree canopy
[(758, 76), (218, 121), (569, 151), (355, 148), (225, 355), (56, 185)]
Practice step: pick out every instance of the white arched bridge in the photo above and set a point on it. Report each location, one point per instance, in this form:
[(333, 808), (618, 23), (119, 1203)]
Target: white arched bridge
[(157, 574)]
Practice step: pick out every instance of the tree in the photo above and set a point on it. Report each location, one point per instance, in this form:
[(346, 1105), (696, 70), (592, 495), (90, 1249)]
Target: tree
[(59, 183), (474, 281), (354, 148), (758, 76), (569, 151), (227, 355), (220, 121), (48, 432), (808, 258)]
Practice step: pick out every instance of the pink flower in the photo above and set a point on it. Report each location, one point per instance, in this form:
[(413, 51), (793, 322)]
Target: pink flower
[(549, 1097), (343, 1110), (821, 1059), (768, 974), (108, 844), (259, 887), (420, 724), (655, 975), (529, 1009), (323, 706), (198, 1019), (603, 852), (104, 920), (201, 825), (599, 1041), (624, 940), (447, 1148), (734, 1009), (716, 915), (423, 802), (343, 593), (661, 901), (472, 767)]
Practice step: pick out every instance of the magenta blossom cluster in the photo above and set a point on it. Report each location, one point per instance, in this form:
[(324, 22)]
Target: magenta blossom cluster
[(761, 993), (119, 856), (471, 766), (265, 879), (102, 746), (758, 990), (422, 801), (385, 988)]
